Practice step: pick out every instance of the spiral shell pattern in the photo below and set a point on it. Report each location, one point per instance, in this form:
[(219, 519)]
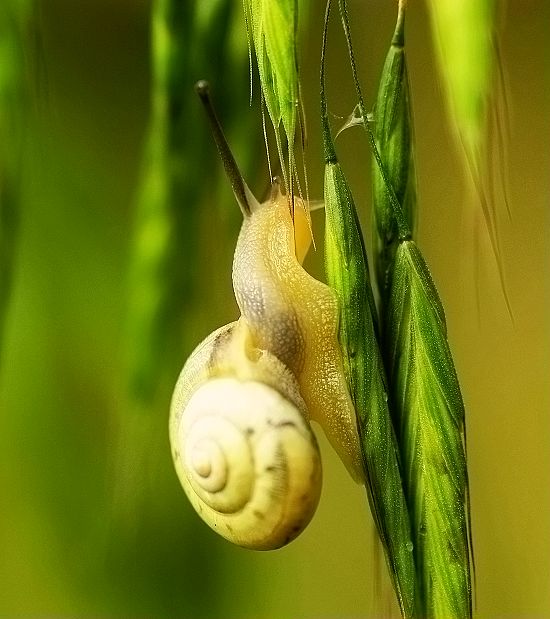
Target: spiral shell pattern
[(248, 462)]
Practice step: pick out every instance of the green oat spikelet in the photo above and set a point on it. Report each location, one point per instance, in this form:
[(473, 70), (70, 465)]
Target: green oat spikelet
[(425, 395), (347, 273), (273, 28), (395, 141), (428, 411), (429, 414)]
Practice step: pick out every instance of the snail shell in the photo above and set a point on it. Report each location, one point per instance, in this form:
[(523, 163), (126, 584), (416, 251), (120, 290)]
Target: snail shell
[(243, 451)]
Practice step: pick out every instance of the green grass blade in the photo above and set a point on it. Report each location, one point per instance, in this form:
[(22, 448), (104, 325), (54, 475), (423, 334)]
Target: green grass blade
[(429, 411), (348, 274), (153, 304), (394, 137), (177, 197)]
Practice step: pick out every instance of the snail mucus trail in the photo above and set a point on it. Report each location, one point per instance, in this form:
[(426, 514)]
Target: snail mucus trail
[(240, 416)]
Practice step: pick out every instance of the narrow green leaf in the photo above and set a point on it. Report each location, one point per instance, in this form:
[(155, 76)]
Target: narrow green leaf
[(429, 418)]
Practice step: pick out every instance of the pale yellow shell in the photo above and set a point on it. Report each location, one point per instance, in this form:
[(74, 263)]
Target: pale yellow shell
[(244, 453)]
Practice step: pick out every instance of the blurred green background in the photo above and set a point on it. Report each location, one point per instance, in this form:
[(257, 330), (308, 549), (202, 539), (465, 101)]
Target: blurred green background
[(93, 522)]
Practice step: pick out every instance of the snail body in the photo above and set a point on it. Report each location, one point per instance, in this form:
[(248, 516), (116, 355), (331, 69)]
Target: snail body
[(295, 317), (240, 435)]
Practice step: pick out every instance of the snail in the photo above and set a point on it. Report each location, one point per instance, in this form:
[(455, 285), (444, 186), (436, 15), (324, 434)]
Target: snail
[(240, 432)]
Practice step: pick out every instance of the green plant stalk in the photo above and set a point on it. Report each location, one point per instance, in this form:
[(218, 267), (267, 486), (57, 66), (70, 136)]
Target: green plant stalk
[(347, 273)]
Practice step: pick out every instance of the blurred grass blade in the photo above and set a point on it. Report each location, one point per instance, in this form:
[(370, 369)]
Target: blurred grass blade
[(347, 273), (464, 32), (429, 412), (154, 303), (394, 137), (274, 28), (14, 17), (177, 196), (190, 40), (466, 46)]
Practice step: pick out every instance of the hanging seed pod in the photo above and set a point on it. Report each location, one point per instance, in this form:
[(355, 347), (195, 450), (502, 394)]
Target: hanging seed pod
[(348, 274), (425, 395), (429, 413), (394, 138)]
